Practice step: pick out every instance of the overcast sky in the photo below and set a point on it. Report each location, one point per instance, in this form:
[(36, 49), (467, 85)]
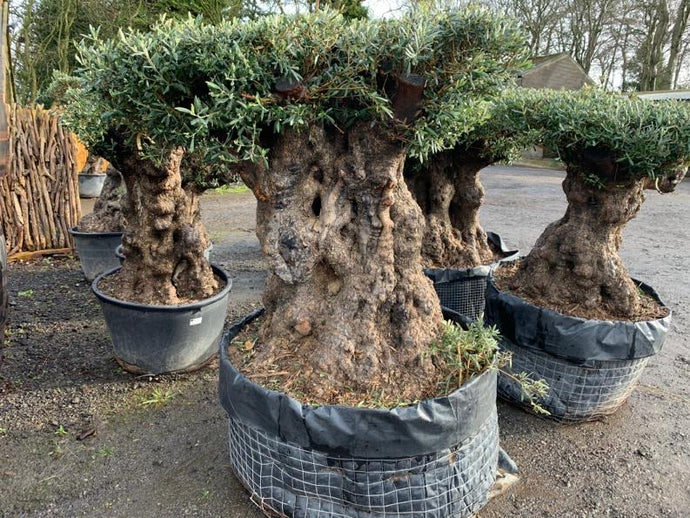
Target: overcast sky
[(382, 7)]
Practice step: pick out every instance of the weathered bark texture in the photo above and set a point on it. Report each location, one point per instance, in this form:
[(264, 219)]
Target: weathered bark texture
[(575, 262), (165, 240), (107, 211), (450, 194), (345, 296)]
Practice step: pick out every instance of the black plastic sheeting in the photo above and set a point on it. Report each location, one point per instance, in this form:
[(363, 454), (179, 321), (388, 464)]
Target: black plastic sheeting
[(577, 340), (436, 459), (428, 426)]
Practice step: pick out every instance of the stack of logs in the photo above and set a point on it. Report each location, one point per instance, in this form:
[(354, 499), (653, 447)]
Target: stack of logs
[(39, 198)]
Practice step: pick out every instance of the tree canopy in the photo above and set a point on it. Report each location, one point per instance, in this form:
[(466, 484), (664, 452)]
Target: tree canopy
[(609, 136), (228, 89), (48, 30)]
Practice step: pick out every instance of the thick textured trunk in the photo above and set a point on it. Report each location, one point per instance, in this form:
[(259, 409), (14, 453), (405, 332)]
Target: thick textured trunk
[(575, 262), (165, 240), (450, 194), (107, 212), (346, 296)]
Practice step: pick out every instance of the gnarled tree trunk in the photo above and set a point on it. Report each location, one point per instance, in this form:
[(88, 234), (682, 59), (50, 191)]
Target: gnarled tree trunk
[(575, 262), (345, 296), (107, 211), (450, 194), (165, 239)]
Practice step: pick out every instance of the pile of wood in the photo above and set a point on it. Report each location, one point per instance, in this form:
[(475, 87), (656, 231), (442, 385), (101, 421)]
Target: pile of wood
[(39, 198)]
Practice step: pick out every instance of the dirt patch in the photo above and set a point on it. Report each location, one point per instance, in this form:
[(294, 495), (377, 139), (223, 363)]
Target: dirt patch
[(81, 437)]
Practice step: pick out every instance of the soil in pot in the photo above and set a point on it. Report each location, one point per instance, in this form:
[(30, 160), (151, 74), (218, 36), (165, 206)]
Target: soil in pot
[(649, 307)]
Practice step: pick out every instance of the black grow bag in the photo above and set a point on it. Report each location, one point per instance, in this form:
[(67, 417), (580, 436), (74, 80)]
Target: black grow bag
[(96, 251), (157, 339), (435, 459), (462, 290), (591, 366)]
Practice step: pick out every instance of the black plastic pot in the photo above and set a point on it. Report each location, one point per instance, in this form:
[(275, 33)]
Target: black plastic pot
[(591, 366), (118, 253), (163, 339), (462, 290), (96, 251), (435, 459)]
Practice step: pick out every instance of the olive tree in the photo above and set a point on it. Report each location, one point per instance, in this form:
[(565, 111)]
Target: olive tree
[(448, 188), (614, 148), (124, 109), (318, 114)]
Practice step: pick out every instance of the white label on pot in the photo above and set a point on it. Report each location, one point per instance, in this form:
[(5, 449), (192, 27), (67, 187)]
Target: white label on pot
[(195, 321)]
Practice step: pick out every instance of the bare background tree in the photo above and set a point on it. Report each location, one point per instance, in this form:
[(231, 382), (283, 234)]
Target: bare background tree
[(624, 44)]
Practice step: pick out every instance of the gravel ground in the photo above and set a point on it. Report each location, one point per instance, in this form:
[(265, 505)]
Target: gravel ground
[(80, 437)]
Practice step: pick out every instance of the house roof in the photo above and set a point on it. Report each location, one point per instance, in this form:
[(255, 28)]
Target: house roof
[(542, 62), (556, 72)]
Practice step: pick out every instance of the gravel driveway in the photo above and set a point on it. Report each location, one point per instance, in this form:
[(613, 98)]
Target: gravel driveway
[(78, 438)]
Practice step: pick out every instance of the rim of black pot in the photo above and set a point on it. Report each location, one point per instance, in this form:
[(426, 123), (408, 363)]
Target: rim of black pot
[(224, 343), (79, 233), (136, 305), (92, 174), (475, 380), (646, 288)]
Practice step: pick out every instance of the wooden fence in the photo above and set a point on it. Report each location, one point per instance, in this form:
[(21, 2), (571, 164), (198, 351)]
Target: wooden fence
[(39, 198)]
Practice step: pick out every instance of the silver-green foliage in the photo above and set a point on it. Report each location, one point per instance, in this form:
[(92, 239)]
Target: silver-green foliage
[(641, 138), (503, 134), (211, 89), (466, 353)]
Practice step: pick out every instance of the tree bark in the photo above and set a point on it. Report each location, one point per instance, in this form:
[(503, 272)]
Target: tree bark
[(345, 295), (165, 239), (575, 262), (651, 50), (107, 211), (450, 194)]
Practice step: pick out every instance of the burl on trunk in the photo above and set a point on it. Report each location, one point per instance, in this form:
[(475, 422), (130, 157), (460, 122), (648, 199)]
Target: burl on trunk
[(449, 192), (346, 295), (165, 240)]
